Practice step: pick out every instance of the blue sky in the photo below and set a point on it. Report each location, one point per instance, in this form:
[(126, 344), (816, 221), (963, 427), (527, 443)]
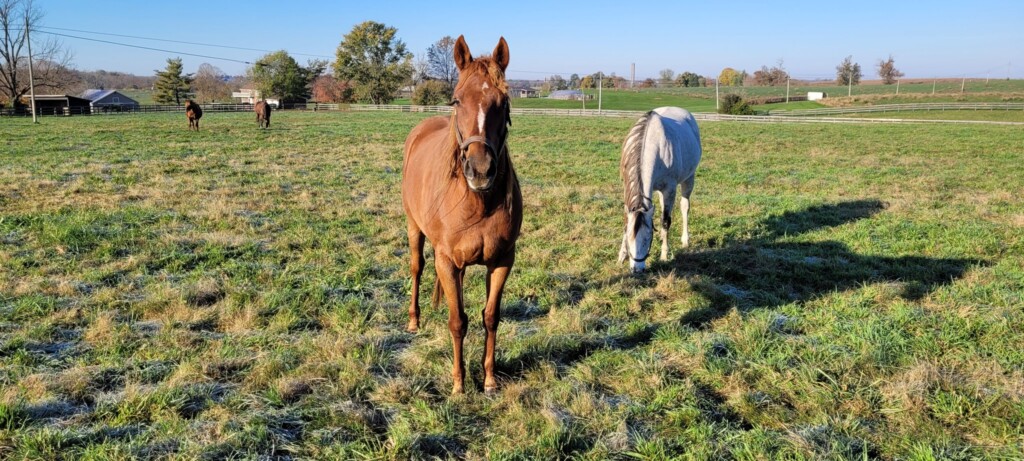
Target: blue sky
[(930, 39)]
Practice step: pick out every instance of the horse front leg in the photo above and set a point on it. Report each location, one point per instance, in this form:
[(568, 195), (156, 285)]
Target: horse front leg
[(450, 278), (416, 261), (668, 199), (496, 277), (684, 207)]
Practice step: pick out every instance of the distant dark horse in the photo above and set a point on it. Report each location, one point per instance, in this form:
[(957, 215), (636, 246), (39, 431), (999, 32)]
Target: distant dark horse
[(194, 113), (263, 114)]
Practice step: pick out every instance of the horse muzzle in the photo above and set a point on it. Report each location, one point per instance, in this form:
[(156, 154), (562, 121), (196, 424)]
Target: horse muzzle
[(480, 170)]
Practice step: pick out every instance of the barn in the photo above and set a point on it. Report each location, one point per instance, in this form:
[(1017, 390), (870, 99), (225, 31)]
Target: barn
[(523, 92), (59, 104), (110, 101)]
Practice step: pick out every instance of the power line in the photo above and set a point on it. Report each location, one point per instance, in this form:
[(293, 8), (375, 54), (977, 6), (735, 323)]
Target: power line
[(174, 41), (147, 48)]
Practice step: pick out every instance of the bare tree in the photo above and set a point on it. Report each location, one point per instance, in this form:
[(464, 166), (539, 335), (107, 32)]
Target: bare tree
[(441, 61), (666, 76), (888, 71), (771, 77), (210, 84), (51, 66)]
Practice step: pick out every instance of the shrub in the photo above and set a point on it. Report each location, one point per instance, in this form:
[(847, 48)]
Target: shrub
[(430, 93), (733, 104)]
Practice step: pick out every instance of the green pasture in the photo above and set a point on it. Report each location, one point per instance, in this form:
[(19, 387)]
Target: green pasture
[(852, 291)]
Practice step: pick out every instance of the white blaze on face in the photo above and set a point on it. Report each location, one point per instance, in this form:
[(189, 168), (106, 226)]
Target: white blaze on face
[(480, 118)]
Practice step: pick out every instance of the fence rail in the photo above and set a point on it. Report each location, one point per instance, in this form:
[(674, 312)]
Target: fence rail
[(902, 108), (793, 116)]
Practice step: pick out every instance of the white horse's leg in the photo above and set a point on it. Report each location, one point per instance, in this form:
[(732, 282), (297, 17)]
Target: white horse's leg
[(622, 249), (668, 200), (684, 207)]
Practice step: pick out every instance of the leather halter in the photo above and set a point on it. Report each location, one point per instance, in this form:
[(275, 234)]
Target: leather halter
[(464, 143)]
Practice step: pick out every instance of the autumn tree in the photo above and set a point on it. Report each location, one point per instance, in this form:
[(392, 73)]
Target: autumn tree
[(888, 72), (52, 61), (210, 85), (441, 62), (848, 71), (374, 60), (730, 77), (171, 85), (326, 88)]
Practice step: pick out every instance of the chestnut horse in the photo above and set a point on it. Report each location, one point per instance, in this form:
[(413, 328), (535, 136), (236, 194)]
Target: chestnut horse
[(194, 113), (263, 114), (460, 191)]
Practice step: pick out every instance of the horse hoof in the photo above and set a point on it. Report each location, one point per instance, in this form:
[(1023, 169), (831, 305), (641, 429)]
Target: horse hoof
[(412, 327), (491, 390), (457, 390)]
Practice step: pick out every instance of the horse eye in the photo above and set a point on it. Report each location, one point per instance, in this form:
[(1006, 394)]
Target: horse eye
[(453, 102)]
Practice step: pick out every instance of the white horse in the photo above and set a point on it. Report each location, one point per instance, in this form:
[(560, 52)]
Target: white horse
[(661, 152)]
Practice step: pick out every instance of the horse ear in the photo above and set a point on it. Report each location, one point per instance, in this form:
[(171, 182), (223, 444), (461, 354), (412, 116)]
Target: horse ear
[(462, 56), (500, 54)]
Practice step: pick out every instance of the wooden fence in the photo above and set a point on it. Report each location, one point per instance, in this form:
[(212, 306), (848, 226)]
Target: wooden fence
[(927, 106)]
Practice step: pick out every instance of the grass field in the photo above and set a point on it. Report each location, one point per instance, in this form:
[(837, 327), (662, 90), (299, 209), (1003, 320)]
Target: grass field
[(851, 292)]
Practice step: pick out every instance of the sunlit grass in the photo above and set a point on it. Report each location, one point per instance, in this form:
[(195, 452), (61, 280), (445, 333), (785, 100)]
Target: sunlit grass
[(850, 291)]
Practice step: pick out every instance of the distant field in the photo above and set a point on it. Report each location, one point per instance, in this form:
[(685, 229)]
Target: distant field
[(852, 292), (703, 99)]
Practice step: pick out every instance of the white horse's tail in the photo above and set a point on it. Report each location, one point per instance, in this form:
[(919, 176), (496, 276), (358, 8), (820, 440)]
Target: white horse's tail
[(632, 158)]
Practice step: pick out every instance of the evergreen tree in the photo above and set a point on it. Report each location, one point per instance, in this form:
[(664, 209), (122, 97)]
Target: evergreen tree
[(171, 86)]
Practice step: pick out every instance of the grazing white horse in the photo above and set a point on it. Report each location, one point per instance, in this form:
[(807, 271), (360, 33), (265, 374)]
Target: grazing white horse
[(661, 152)]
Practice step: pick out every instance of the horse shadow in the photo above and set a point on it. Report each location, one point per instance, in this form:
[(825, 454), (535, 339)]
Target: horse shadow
[(757, 272)]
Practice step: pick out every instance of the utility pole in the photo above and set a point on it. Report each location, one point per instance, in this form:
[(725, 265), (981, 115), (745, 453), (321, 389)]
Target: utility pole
[(849, 80), (787, 91), (600, 88), (632, 74), (897, 87), (933, 87), (31, 79), (962, 84), (717, 99)]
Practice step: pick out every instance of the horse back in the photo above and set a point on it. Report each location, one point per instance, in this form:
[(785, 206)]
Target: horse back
[(677, 138)]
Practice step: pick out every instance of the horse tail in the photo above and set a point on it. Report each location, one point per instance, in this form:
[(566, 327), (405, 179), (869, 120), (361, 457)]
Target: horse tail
[(632, 158), (435, 299)]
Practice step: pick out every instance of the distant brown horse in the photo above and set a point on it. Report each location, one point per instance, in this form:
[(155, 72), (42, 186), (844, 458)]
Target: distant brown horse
[(194, 113), (263, 114), (460, 191)]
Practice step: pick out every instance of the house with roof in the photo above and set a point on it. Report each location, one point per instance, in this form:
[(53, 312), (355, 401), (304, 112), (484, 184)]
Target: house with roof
[(110, 101), (250, 95)]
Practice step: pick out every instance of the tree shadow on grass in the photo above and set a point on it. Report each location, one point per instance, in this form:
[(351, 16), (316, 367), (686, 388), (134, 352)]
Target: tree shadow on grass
[(764, 272)]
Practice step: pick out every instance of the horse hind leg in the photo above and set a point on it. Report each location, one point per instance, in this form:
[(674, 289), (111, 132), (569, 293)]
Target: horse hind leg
[(668, 199), (684, 207)]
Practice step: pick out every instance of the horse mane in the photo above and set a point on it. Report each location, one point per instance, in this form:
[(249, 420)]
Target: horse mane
[(629, 169)]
